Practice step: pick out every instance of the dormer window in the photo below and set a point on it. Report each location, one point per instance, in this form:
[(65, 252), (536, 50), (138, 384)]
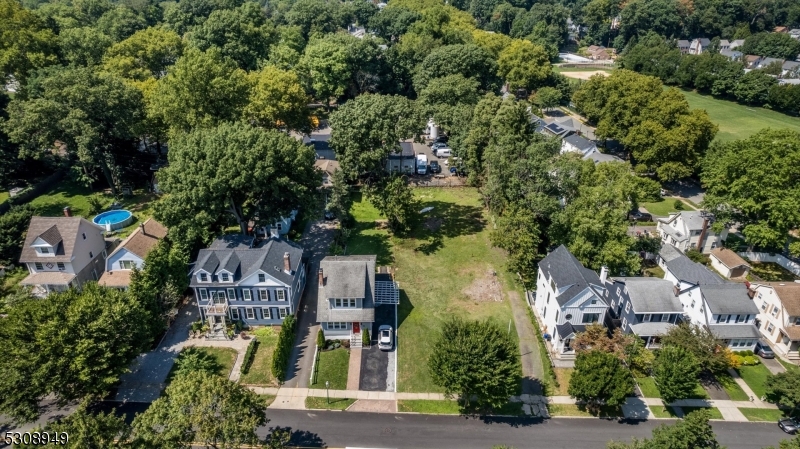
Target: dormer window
[(346, 303), (203, 277), (262, 277), (44, 250), (225, 277), (61, 266)]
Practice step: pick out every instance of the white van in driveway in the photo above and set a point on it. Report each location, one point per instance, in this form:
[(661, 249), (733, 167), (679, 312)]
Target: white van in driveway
[(444, 152), (422, 164)]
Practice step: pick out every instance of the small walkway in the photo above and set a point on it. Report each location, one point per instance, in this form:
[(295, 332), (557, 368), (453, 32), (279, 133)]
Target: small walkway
[(747, 390), (354, 369), (532, 370)]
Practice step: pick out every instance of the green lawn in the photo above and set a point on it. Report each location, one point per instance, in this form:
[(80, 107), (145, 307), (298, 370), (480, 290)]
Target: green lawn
[(648, 387), (731, 387), (660, 411), (3, 197), (699, 393), (268, 399), (606, 411), (756, 378), (220, 359), (429, 407), (736, 121), (654, 271), (560, 69), (322, 403), (772, 272), (563, 375), (664, 207), (715, 413), (260, 372), (446, 267), (787, 365), (764, 414), (333, 366)]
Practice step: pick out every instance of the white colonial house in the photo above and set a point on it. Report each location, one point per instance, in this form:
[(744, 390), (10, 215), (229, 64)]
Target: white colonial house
[(131, 254), (779, 316), (62, 252), (568, 297), (723, 307), (690, 230), (348, 290), (258, 282)]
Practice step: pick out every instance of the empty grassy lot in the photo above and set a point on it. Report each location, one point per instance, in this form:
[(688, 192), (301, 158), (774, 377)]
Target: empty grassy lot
[(260, 372), (736, 121), (445, 266)]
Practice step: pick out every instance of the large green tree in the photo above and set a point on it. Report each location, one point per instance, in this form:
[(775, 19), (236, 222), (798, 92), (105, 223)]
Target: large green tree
[(84, 46), (394, 200), (600, 378), (469, 60), (675, 371), (160, 284), (475, 359), (524, 65), (774, 45), (701, 343), (94, 116), (199, 407), (121, 22), (202, 89), (762, 194), (147, 54), (517, 231), (233, 173), (25, 43), (13, 226), (74, 345), (325, 69), (88, 430), (367, 129), (753, 87), (784, 389), (277, 100)]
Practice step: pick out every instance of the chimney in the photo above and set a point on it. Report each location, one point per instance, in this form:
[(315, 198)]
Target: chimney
[(677, 290), (67, 211), (141, 226), (603, 275), (287, 265), (700, 242), (321, 278)]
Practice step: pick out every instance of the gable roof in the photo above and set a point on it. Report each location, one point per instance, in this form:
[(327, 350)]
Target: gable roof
[(685, 269), (143, 239), (580, 143), (61, 232), (651, 295), (568, 329), (556, 129), (728, 298), (788, 293), (567, 271), (728, 258), (234, 255)]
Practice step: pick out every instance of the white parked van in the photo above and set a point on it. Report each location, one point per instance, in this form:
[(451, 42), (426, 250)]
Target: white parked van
[(444, 152), (422, 164)]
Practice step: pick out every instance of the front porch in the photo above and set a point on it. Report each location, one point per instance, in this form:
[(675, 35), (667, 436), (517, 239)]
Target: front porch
[(42, 284), (346, 331)]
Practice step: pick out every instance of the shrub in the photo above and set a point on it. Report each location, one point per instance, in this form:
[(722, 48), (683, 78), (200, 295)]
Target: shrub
[(249, 355), (283, 350), (365, 340), (678, 204), (95, 205), (321, 338)]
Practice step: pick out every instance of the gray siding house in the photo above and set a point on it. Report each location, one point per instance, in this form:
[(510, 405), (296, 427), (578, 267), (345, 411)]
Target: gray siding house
[(259, 282), (645, 306)]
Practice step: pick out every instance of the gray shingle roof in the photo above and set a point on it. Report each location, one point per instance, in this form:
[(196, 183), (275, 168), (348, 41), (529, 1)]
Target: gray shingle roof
[(52, 228), (728, 331), (244, 261), (566, 270), (347, 277), (685, 270), (651, 295), (567, 329), (728, 298), (651, 328), (51, 236), (580, 143)]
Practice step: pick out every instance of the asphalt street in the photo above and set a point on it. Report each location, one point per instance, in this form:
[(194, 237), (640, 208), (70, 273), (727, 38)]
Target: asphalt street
[(376, 430)]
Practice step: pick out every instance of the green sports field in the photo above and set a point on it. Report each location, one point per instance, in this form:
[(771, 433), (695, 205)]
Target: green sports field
[(736, 121)]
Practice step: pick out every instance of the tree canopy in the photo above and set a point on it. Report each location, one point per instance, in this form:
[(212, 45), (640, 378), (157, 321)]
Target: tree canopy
[(675, 371), (600, 378), (692, 432)]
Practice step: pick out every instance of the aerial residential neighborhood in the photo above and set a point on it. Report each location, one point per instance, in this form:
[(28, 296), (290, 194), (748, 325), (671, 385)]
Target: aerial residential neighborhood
[(400, 224)]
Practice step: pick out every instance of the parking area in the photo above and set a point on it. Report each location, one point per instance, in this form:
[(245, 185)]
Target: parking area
[(378, 367)]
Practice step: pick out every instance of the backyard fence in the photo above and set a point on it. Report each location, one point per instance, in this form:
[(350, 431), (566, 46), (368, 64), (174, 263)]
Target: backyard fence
[(588, 65), (445, 181), (790, 265), (32, 193)]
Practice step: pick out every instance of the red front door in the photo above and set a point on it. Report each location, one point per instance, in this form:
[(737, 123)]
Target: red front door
[(356, 328)]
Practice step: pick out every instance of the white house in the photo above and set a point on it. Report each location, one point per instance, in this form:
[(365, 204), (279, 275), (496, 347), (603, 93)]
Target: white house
[(699, 45), (690, 230), (779, 316), (728, 263), (568, 297), (258, 282), (131, 253), (723, 307), (725, 44), (577, 144), (790, 69), (62, 252), (349, 289)]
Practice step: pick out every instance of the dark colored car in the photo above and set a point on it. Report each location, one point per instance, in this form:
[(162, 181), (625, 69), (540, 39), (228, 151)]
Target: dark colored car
[(640, 216), (329, 215), (435, 167), (764, 350), (788, 425), (442, 138)]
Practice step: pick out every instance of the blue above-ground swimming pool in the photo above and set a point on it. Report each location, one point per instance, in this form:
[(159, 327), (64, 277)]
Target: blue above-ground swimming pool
[(113, 219)]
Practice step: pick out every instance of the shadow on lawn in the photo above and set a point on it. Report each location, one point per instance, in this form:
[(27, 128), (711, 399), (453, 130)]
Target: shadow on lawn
[(445, 220), (378, 244), (404, 308)]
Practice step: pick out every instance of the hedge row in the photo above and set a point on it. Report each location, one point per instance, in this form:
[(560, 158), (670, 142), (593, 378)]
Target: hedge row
[(249, 355), (280, 359)]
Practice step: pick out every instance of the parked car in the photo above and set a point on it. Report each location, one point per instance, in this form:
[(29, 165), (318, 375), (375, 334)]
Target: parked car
[(443, 152), (441, 138), (435, 167), (789, 425), (329, 215), (438, 145), (640, 216), (385, 338), (763, 350)]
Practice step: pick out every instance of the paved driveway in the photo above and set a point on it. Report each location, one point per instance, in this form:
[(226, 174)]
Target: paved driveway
[(149, 371), (377, 365)]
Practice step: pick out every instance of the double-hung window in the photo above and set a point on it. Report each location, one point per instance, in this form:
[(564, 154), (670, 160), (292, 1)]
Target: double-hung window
[(346, 303), (775, 311), (234, 313), (266, 312), (337, 326), (203, 294), (203, 277), (126, 264), (232, 294), (646, 318), (247, 295), (39, 266), (263, 294), (283, 311), (249, 313), (225, 277), (262, 277), (61, 266), (281, 294)]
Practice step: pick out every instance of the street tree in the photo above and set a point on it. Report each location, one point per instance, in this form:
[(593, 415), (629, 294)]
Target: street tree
[(701, 343), (278, 101), (394, 200), (524, 65), (475, 359), (362, 148), (160, 284), (784, 389), (26, 44), (600, 378), (763, 195), (90, 430), (692, 432), (94, 116), (233, 173), (202, 89), (199, 407), (675, 371), (75, 345)]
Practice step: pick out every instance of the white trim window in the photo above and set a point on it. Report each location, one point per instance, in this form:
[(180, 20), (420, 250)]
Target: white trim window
[(338, 326), (39, 266), (267, 313), (646, 318), (203, 294), (627, 307), (665, 318), (262, 277), (224, 277), (232, 294), (282, 312), (61, 266), (624, 324), (346, 303), (280, 294), (263, 294), (247, 295), (126, 264), (202, 277), (249, 313), (234, 313)]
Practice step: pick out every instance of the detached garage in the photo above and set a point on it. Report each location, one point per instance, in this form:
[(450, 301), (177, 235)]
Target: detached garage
[(728, 263)]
